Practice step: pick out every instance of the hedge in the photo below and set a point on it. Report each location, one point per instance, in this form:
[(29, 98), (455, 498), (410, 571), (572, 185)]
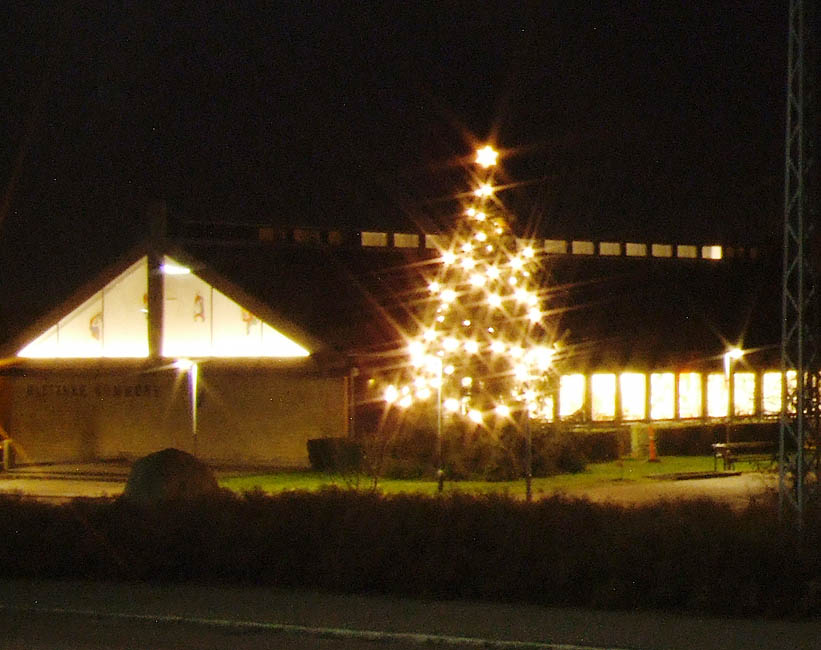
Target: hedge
[(696, 556)]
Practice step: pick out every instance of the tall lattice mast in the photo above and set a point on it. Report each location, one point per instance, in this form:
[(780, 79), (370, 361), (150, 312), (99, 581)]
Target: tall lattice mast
[(799, 430)]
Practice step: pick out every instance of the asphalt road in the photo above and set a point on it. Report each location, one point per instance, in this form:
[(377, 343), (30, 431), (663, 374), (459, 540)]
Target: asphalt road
[(50, 614)]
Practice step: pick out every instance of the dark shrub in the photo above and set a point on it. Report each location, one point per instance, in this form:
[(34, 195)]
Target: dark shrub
[(695, 556), (689, 440), (169, 475), (603, 446), (334, 454)]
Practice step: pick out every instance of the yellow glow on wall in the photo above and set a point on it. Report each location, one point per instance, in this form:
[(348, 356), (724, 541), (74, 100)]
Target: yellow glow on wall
[(633, 395), (744, 393), (771, 393), (717, 395), (571, 394), (689, 395), (662, 396), (603, 396)]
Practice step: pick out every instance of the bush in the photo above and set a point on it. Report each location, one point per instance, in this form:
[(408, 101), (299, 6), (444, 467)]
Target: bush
[(484, 455), (335, 455)]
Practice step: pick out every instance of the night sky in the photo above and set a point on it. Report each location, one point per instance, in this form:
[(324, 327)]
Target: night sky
[(618, 120)]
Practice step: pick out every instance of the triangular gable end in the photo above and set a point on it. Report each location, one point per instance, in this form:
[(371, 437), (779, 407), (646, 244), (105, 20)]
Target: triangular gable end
[(201, 321), (198, 321), (112, 323)]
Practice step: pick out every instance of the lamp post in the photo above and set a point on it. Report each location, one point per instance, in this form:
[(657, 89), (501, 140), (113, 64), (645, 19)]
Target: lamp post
[(191, 369), (440, 472), (730, 357)]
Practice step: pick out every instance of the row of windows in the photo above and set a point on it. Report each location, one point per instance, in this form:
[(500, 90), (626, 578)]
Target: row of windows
[(573, 247), (667, 395)]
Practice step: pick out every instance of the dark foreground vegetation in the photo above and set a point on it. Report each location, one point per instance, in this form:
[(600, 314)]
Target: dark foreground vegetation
[(690, 556)]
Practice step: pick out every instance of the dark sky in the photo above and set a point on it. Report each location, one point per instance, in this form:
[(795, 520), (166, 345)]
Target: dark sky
[(619, 119)]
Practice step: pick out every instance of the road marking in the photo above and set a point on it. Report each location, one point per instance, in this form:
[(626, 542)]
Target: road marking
[(318, 632)]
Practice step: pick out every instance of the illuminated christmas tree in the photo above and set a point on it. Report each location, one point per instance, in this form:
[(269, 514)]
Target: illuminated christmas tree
[(481, 351)]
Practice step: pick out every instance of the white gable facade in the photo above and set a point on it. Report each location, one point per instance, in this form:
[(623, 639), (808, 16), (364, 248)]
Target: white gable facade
[(224, 382)]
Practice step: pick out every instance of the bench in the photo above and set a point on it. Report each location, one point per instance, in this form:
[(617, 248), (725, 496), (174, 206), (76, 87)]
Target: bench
[(761, 452)]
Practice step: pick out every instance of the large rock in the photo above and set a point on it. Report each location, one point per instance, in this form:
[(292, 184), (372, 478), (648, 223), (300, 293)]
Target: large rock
[(169, 475)]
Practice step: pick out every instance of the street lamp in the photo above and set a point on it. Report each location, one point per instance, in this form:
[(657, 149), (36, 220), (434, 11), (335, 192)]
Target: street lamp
[(730, 357)]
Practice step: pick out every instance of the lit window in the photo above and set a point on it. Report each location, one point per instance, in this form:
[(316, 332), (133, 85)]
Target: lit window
[(711, 252), (689, 395), (744, 393), (571, 395), (662, 396), (603, 397), (716, 395), (771, 393), (633, 395)]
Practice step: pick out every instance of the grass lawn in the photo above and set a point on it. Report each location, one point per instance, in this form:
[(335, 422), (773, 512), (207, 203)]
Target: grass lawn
[(596, 473)]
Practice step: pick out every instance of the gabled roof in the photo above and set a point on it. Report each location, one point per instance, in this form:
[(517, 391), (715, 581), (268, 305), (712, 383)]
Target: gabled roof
[(619, 312), (108, 318)]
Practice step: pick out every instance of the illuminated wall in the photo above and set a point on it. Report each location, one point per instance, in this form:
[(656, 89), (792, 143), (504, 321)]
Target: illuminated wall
[(198, 321), (254, 416)]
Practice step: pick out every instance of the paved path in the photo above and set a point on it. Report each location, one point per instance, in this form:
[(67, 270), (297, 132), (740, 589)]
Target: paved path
[(156, 616)]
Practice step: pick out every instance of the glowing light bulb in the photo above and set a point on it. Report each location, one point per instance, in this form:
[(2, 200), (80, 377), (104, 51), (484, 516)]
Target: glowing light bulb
[(471, 212), (475, 416), (448, 295), (468, 263), (391, 394), (467, 247), (466, 322), (450, 344), (517, 263), (448, 258), (497, 347), (451, 405), (493, 272), (434, 287), (502, 410), (535, 314), (467, 382), (480, 216), (486, 156), (471, 347), (484, 190), (528, 251), (449, 369), (494, 300), (481, 235), (429, 335), (406, 401), (423, 393), (478, 280)]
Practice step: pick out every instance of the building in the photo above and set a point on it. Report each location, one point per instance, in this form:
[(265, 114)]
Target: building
[(241, 343)]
